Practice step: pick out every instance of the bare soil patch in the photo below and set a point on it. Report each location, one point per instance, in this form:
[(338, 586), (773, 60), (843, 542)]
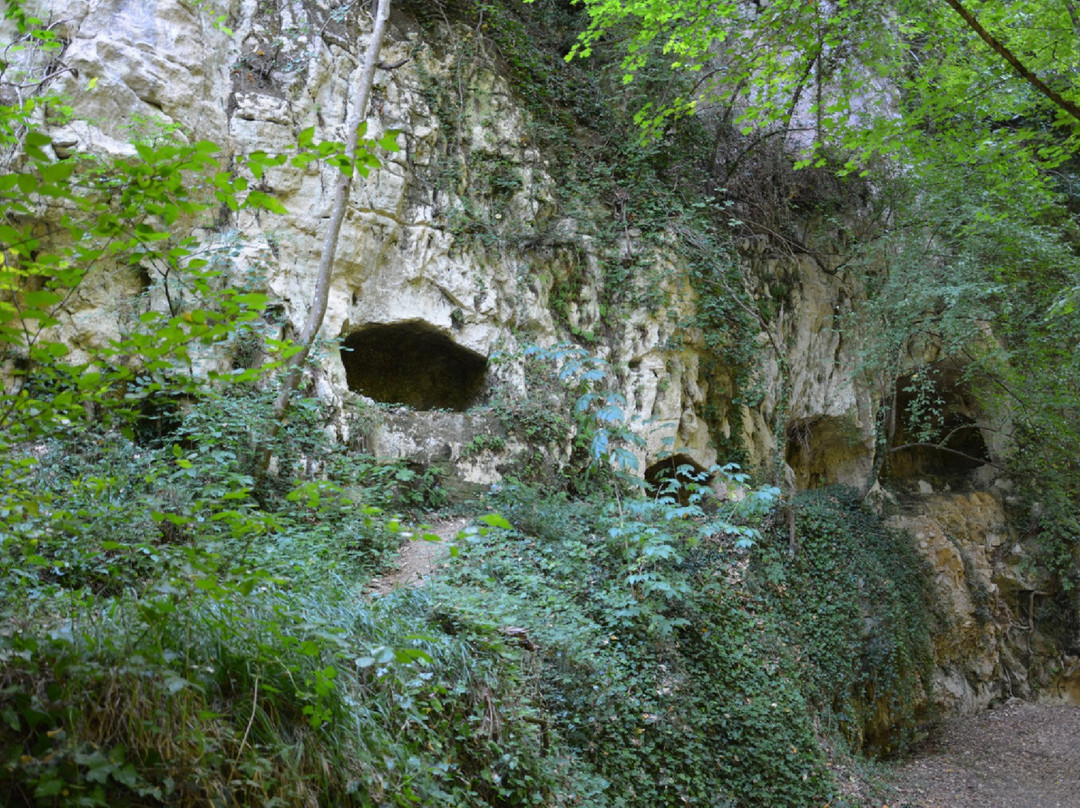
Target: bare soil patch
[(1019, 755), (419, 558)]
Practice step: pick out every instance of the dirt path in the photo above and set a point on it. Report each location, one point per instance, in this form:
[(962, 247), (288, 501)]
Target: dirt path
[(1018, 755), (419, 558)]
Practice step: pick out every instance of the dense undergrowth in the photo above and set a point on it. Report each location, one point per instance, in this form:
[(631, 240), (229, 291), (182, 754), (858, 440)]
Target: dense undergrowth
[(168, 638)]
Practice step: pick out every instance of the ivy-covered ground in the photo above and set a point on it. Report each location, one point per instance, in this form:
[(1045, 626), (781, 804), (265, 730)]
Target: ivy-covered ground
[(172, 635)]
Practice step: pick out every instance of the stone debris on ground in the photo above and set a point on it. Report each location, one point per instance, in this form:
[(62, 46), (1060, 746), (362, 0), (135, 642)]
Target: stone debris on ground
[(1018, 755)]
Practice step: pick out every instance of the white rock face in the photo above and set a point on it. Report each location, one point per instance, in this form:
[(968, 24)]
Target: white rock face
[(830, 429), (458, 230)]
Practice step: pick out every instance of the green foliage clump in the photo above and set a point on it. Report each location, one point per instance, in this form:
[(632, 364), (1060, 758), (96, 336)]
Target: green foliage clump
[(854, 602), (655, 673), (170, 638), (203, 688)]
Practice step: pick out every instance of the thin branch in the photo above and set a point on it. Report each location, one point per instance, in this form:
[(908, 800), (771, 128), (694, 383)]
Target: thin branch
[(1001, 50), (36, 84), (794, 246), (997, 380), (247, 730), (942, 441), (321, 293), (938, 446)]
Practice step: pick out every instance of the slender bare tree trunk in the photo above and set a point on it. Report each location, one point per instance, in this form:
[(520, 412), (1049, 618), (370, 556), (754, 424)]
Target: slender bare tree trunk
[(319, 296)]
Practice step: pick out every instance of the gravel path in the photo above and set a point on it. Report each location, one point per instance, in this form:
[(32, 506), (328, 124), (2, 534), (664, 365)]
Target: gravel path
[(1018, 755)]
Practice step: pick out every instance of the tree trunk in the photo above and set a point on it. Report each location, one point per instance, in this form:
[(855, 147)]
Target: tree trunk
[(321, 293)]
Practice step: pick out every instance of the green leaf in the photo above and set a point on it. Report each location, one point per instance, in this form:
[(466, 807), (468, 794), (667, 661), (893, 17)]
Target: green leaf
[(89, 379), (57, 172), (42, 299), (50, 786), (255, 300), (27, 183), (258, 199), (388, 141), (174, 684), (38, 139), (407, 656), (147, 153)]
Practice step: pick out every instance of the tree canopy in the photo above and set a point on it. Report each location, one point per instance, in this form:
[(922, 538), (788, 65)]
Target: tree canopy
[(872, 77), (964, 119)]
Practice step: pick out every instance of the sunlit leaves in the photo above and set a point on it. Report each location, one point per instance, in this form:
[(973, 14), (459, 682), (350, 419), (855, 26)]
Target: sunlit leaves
[(115, 213), (332, 153), (897, 78)]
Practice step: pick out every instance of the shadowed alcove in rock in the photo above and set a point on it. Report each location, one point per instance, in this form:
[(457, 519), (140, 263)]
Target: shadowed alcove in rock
[(936, 434), (826, 450), (412, 364)]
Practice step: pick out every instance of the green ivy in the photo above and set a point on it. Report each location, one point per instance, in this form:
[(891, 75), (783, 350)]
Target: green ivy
[(854, 599)]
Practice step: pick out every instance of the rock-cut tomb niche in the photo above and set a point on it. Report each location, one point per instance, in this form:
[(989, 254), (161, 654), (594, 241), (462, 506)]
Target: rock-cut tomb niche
[(412, 364), (825, 450)]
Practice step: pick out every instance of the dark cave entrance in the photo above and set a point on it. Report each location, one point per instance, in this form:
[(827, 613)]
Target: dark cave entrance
[(681, 468), (826, 450), (413, 364), (936, 432)]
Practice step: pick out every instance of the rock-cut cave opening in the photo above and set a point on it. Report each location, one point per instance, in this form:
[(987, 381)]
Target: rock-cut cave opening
[(825, 450), (412, 364), (679, 467), (936, 434)]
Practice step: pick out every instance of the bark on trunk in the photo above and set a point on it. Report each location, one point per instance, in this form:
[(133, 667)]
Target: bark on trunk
[(321, 293)]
